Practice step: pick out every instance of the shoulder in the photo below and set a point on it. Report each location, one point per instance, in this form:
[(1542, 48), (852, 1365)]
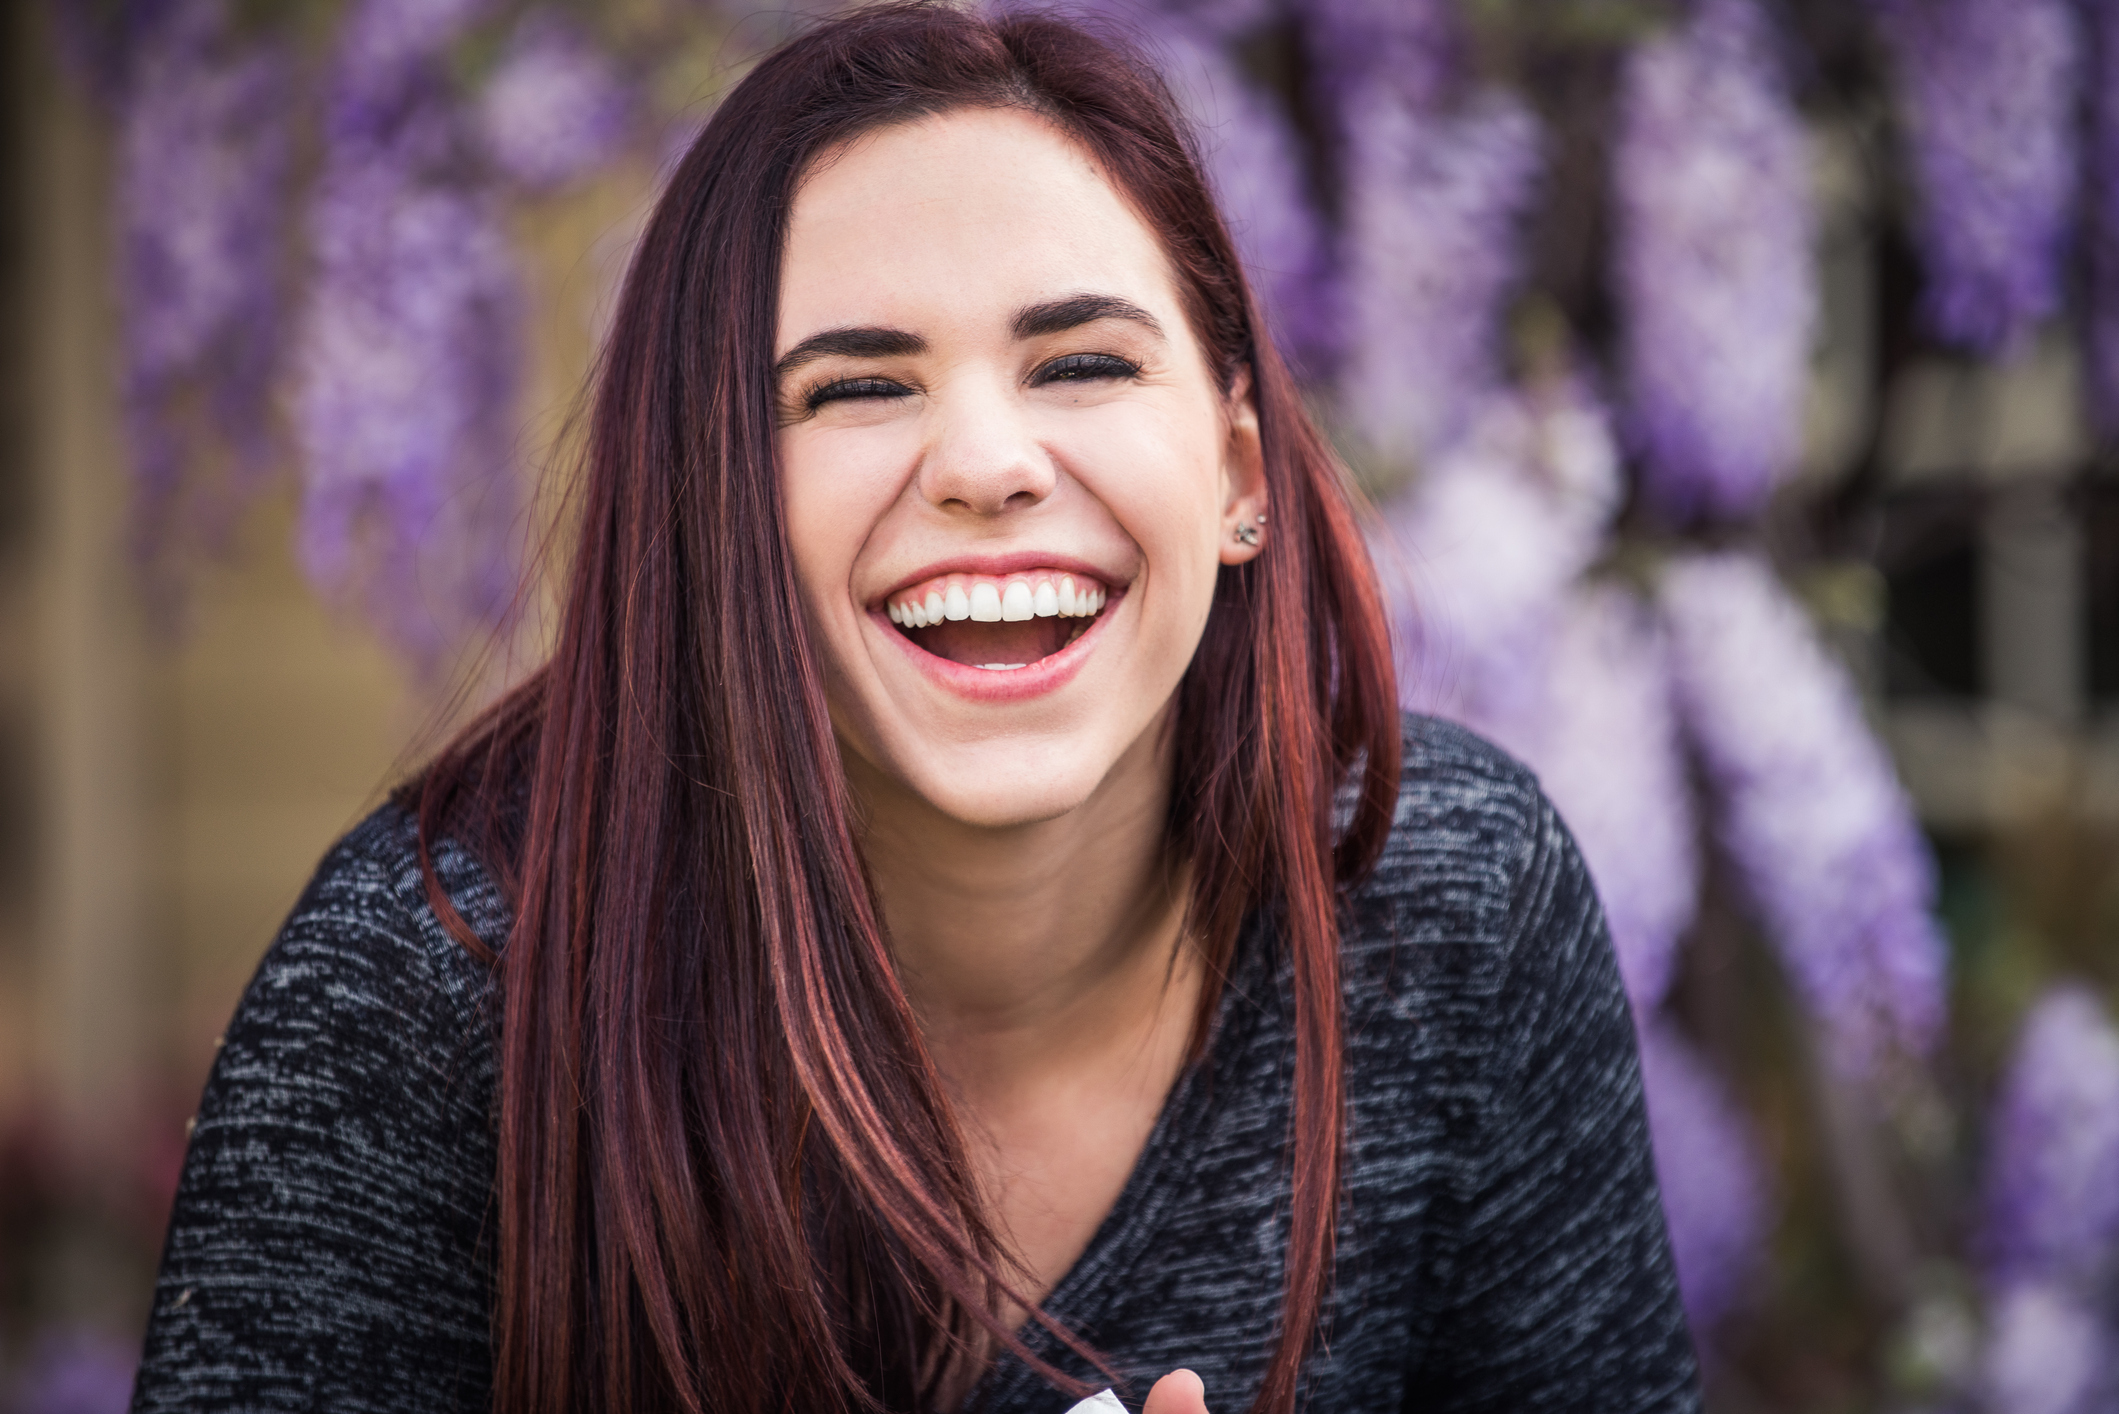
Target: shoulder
[(1469, 825), (374, 874), (1494, 1090), (364, 936), (1480, 893), (326, 1244), (1455, 781), (365, 1004)]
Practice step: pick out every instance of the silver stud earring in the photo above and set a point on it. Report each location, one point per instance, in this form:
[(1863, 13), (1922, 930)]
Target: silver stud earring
[(1247, 534)]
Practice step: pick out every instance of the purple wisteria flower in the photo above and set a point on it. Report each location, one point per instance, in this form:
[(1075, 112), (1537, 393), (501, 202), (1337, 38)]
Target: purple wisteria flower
[(1437, 179), (1988, 91), (555, 107), (387, 59), (1716, 264), (1708, 1167), (1251, 156), (1810, 811), (1479, 555), (2053, 1178), (2048, 1352), (203, 161), (1410, 46), (1434, 203), (1609, 754), (2102, 226), (75, 1370), (406, 368)]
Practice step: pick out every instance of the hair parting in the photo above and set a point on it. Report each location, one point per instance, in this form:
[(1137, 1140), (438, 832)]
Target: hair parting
[(729, 1175)]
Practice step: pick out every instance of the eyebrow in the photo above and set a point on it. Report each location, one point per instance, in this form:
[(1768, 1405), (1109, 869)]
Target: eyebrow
[(1072, 311), (864, 342), (1030, 322)]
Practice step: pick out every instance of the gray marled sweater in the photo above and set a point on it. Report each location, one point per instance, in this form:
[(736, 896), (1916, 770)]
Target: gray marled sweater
[(1502, 1246)]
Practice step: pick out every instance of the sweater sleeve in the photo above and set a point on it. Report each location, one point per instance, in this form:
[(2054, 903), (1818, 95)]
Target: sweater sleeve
[(325, 1248), (1566, 1298)]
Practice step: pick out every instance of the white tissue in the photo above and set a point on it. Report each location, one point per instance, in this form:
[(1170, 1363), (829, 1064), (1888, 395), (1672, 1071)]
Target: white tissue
[(1105, 1403)]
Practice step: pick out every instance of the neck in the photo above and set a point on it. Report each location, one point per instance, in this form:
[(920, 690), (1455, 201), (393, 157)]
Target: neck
[(1030, 948)]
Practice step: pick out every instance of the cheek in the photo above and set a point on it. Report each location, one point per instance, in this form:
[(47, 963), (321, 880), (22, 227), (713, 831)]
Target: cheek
[(1163, 484), (834, 487)]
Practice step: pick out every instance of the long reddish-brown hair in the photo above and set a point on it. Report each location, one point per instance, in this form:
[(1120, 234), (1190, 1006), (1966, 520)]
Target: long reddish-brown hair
[(729, 1175)]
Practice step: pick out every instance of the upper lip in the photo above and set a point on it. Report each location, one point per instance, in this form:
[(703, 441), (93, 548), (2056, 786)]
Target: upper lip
[(1014, 562)]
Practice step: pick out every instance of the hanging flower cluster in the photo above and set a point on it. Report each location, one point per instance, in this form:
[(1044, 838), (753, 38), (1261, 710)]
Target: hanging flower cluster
[(1809, 808), (555, 107), (405, 370), (204, 162), (1989, 90), (1484, 554), (1433, 202), (1609, 734), (1716, 265), (1437, 183), (2052, 1222)]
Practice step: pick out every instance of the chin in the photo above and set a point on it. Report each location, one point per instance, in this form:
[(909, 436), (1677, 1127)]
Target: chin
[(998, 784)]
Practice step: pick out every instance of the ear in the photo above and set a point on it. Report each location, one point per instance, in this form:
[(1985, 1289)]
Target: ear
[(1243, 477)]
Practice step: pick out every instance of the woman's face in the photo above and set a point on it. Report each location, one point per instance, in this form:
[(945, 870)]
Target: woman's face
[(1009, 477)]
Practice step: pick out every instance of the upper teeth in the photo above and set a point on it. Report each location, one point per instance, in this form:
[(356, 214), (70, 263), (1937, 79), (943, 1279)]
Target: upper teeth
[(1006, 599)]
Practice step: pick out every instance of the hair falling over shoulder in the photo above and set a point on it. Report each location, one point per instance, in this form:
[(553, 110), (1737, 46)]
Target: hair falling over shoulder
[(729, 1178)]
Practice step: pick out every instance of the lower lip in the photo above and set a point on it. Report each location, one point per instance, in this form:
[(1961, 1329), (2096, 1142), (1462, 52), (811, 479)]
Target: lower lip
[(1047, 674)]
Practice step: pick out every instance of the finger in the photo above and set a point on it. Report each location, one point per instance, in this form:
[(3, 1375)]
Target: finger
[(1179, 1392)]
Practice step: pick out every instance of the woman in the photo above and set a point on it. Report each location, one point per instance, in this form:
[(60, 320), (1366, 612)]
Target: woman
[(958, 921)]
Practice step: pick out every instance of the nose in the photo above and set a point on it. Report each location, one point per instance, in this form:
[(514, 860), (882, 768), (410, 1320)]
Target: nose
[(983, 457)]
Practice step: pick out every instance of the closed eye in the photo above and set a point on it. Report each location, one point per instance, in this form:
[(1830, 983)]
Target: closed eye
[(853, 388), (1083, 368)]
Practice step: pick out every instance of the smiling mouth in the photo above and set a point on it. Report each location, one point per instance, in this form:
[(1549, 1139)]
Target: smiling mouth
[(997, 622)]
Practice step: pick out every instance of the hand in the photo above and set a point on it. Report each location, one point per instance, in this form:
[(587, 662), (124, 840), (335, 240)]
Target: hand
[(1179, 1392)]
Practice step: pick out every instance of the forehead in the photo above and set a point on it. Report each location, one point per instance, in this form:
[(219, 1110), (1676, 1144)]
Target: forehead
[(958, 216)]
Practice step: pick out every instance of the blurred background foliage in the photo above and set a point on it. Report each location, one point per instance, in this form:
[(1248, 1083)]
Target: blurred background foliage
[(1737, 381)]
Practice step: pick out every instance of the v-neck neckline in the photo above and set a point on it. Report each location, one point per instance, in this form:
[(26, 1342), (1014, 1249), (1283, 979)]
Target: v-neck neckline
[(1160, 1175)]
